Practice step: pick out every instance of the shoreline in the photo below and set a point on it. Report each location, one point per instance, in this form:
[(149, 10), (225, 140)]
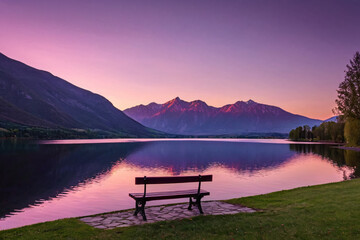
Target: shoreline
[(315, 142), (357, 149), (173, 204), (157, 137), (115, 140), (283, 214)]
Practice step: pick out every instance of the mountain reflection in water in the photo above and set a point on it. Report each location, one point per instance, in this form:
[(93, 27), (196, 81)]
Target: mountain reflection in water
[(197, 155), (339, 157), (80, 179)]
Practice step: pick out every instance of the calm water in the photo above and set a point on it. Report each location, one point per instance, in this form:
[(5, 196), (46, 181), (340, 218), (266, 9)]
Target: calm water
[(58, 179)]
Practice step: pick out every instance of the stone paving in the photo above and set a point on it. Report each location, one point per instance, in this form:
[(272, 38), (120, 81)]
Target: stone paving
[(162, 213)]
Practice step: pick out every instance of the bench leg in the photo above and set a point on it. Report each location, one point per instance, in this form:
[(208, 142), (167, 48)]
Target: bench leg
[(198, 203), (190, 204), (142, 210), (140, 207), (137, 208)]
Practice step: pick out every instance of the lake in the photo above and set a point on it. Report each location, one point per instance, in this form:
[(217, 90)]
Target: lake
[(49, 180)]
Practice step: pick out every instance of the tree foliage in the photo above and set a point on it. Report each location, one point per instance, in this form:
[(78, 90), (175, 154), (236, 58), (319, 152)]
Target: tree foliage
[(348, 102), (11, 130), (327, 131), (352, 132)]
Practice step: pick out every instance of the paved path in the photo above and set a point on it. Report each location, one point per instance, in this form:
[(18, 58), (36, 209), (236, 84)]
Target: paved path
[(162, 213)]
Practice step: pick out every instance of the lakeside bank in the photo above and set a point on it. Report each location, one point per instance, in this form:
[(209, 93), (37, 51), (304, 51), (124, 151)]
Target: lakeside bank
[(324, 211), (357, 149)]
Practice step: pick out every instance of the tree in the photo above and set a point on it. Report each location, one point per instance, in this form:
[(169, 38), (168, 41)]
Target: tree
[(327, 131), (306, 132), (352, 132), (348, 102)]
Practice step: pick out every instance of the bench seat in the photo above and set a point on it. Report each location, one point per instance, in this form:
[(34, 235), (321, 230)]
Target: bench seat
[(194, 195), (169, 194)]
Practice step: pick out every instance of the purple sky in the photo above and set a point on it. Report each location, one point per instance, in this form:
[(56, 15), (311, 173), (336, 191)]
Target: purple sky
[(286, 53)]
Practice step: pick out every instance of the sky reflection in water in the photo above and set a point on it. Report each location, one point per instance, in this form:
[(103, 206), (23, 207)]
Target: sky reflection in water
[(42, 182)]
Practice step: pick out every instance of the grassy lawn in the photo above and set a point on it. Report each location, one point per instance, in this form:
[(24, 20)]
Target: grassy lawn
[(328, 211)]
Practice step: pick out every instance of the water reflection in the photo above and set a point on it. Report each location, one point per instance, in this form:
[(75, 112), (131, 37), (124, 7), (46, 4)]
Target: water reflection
[(46, 182), (339, 157), (199, 155), (30, 172)]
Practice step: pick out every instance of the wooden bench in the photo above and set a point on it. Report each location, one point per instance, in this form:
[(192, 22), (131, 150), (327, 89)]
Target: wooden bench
[(196, 194)]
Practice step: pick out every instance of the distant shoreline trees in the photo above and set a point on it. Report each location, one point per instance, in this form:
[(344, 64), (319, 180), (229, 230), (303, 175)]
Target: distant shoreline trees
[(11, 130), (327, 131)]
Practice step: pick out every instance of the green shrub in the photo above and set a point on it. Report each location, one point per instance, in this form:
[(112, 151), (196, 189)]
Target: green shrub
[(352, 132)]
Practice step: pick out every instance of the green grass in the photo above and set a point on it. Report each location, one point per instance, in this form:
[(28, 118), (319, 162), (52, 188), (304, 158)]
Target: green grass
[(328, 211)]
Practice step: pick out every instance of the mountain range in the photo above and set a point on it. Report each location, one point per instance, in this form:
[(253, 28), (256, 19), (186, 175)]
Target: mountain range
[(197, 118), (33, 97)]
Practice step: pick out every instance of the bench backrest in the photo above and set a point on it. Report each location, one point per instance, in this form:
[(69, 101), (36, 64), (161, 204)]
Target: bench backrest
[(177, 179)]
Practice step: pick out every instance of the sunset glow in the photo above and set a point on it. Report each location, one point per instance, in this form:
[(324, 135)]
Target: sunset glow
[(285, 54)]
